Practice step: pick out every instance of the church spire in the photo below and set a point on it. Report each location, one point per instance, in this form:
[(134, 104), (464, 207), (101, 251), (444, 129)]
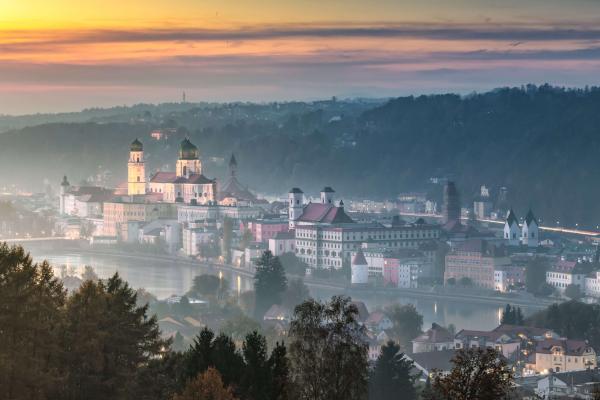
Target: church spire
[(232, 165)]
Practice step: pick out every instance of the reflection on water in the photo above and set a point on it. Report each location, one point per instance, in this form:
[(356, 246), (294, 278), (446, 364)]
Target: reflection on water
[(165, 278)]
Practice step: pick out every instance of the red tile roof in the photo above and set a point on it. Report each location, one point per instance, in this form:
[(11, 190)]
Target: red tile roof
[(324, 213)]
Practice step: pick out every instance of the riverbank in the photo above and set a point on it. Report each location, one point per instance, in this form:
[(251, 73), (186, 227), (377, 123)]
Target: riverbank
[(429, 293)]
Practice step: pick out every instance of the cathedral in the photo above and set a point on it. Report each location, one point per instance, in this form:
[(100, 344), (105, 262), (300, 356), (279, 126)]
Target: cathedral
[(186, 185)]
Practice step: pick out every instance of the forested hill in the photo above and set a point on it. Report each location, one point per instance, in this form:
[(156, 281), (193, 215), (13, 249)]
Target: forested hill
[(542, 143)]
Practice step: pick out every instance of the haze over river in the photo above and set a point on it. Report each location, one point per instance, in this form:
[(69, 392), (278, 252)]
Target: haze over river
[(164, 278)]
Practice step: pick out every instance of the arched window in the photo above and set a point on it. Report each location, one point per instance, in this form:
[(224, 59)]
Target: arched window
[(184, 170), (138, 159)]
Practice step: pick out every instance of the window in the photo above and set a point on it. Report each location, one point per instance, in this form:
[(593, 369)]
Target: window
[(184, 170), (138, 178)]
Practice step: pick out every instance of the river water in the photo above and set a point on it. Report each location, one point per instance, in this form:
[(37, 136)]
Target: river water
[(164, 278)]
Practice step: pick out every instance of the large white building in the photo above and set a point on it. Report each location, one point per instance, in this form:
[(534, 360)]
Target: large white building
[(326, 236), (563, 274)]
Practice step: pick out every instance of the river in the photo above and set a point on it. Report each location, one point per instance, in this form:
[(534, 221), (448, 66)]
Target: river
[(164, 278)]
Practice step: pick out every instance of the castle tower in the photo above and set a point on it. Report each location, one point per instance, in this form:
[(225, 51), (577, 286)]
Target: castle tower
[(64, 188), (512, 231), (295, 206), (530, 231), (360, 269), (136, 169), (327, 195), (189, 160), (451, 211)]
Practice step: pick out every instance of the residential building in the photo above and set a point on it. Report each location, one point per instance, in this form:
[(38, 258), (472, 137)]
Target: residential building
[(477, 260), (264, 229), (575, 384), (592, 284), (565, 273), (378, 321), (563, 355), (437, 338), (507, 276), (122, 210), (402, 268), (503, 342)]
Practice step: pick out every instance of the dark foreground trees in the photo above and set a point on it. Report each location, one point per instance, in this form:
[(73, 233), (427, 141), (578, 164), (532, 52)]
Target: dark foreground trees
[(391, 375), (478, 374), (328, 355), (88, 346)]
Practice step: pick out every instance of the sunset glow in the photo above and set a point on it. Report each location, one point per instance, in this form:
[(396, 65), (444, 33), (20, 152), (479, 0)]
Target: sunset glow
[(134, 51)]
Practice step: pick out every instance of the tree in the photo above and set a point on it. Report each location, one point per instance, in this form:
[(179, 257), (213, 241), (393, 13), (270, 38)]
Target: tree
[(478, 374), (295, 293), (256, 378), (240, 326), (572, 319), (269, 283), (573, 292), (108, 337), (206, 386), (31, 325), (207, 285), (246, 239), (512, 315), (407, 322), (227, 239), (220, 353), (322, 336), (292, 264), (535, 274), (391, 375), (280, 373), (89, 274), (466, 281), (160, 378)]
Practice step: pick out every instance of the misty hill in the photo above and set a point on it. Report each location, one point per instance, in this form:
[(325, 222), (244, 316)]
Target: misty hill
[(542, 143)]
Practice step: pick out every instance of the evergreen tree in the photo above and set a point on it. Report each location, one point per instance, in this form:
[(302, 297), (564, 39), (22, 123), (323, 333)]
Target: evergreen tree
[(200, 354), (391, 375), (280, 373), (31, 321), (227, 360), (160, 378), (107, 338), (256, 379), (269, 283)]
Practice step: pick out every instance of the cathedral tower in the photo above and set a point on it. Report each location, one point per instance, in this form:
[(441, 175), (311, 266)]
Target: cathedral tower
[(189, 160), (136, 170)]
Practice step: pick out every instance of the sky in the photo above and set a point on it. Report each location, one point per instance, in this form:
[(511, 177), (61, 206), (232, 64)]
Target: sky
[(65, 55)]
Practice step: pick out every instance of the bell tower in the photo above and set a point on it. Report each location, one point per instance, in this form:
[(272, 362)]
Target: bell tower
[(189, 160), (136, 169)]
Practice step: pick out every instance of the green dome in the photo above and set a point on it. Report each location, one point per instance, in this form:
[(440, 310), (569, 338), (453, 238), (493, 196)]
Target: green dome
[(187, 150), (136, 145)]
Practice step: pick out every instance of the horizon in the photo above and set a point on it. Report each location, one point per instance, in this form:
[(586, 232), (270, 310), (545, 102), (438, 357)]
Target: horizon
[(291, 100)]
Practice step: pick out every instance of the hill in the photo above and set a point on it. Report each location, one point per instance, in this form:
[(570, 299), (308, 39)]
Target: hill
[(543, 143)]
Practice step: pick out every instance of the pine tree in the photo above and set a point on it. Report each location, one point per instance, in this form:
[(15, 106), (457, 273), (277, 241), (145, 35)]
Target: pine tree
[(31, 320), (391, 375), (256, 379), (107, 338), (269, 283), (280, 373)]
